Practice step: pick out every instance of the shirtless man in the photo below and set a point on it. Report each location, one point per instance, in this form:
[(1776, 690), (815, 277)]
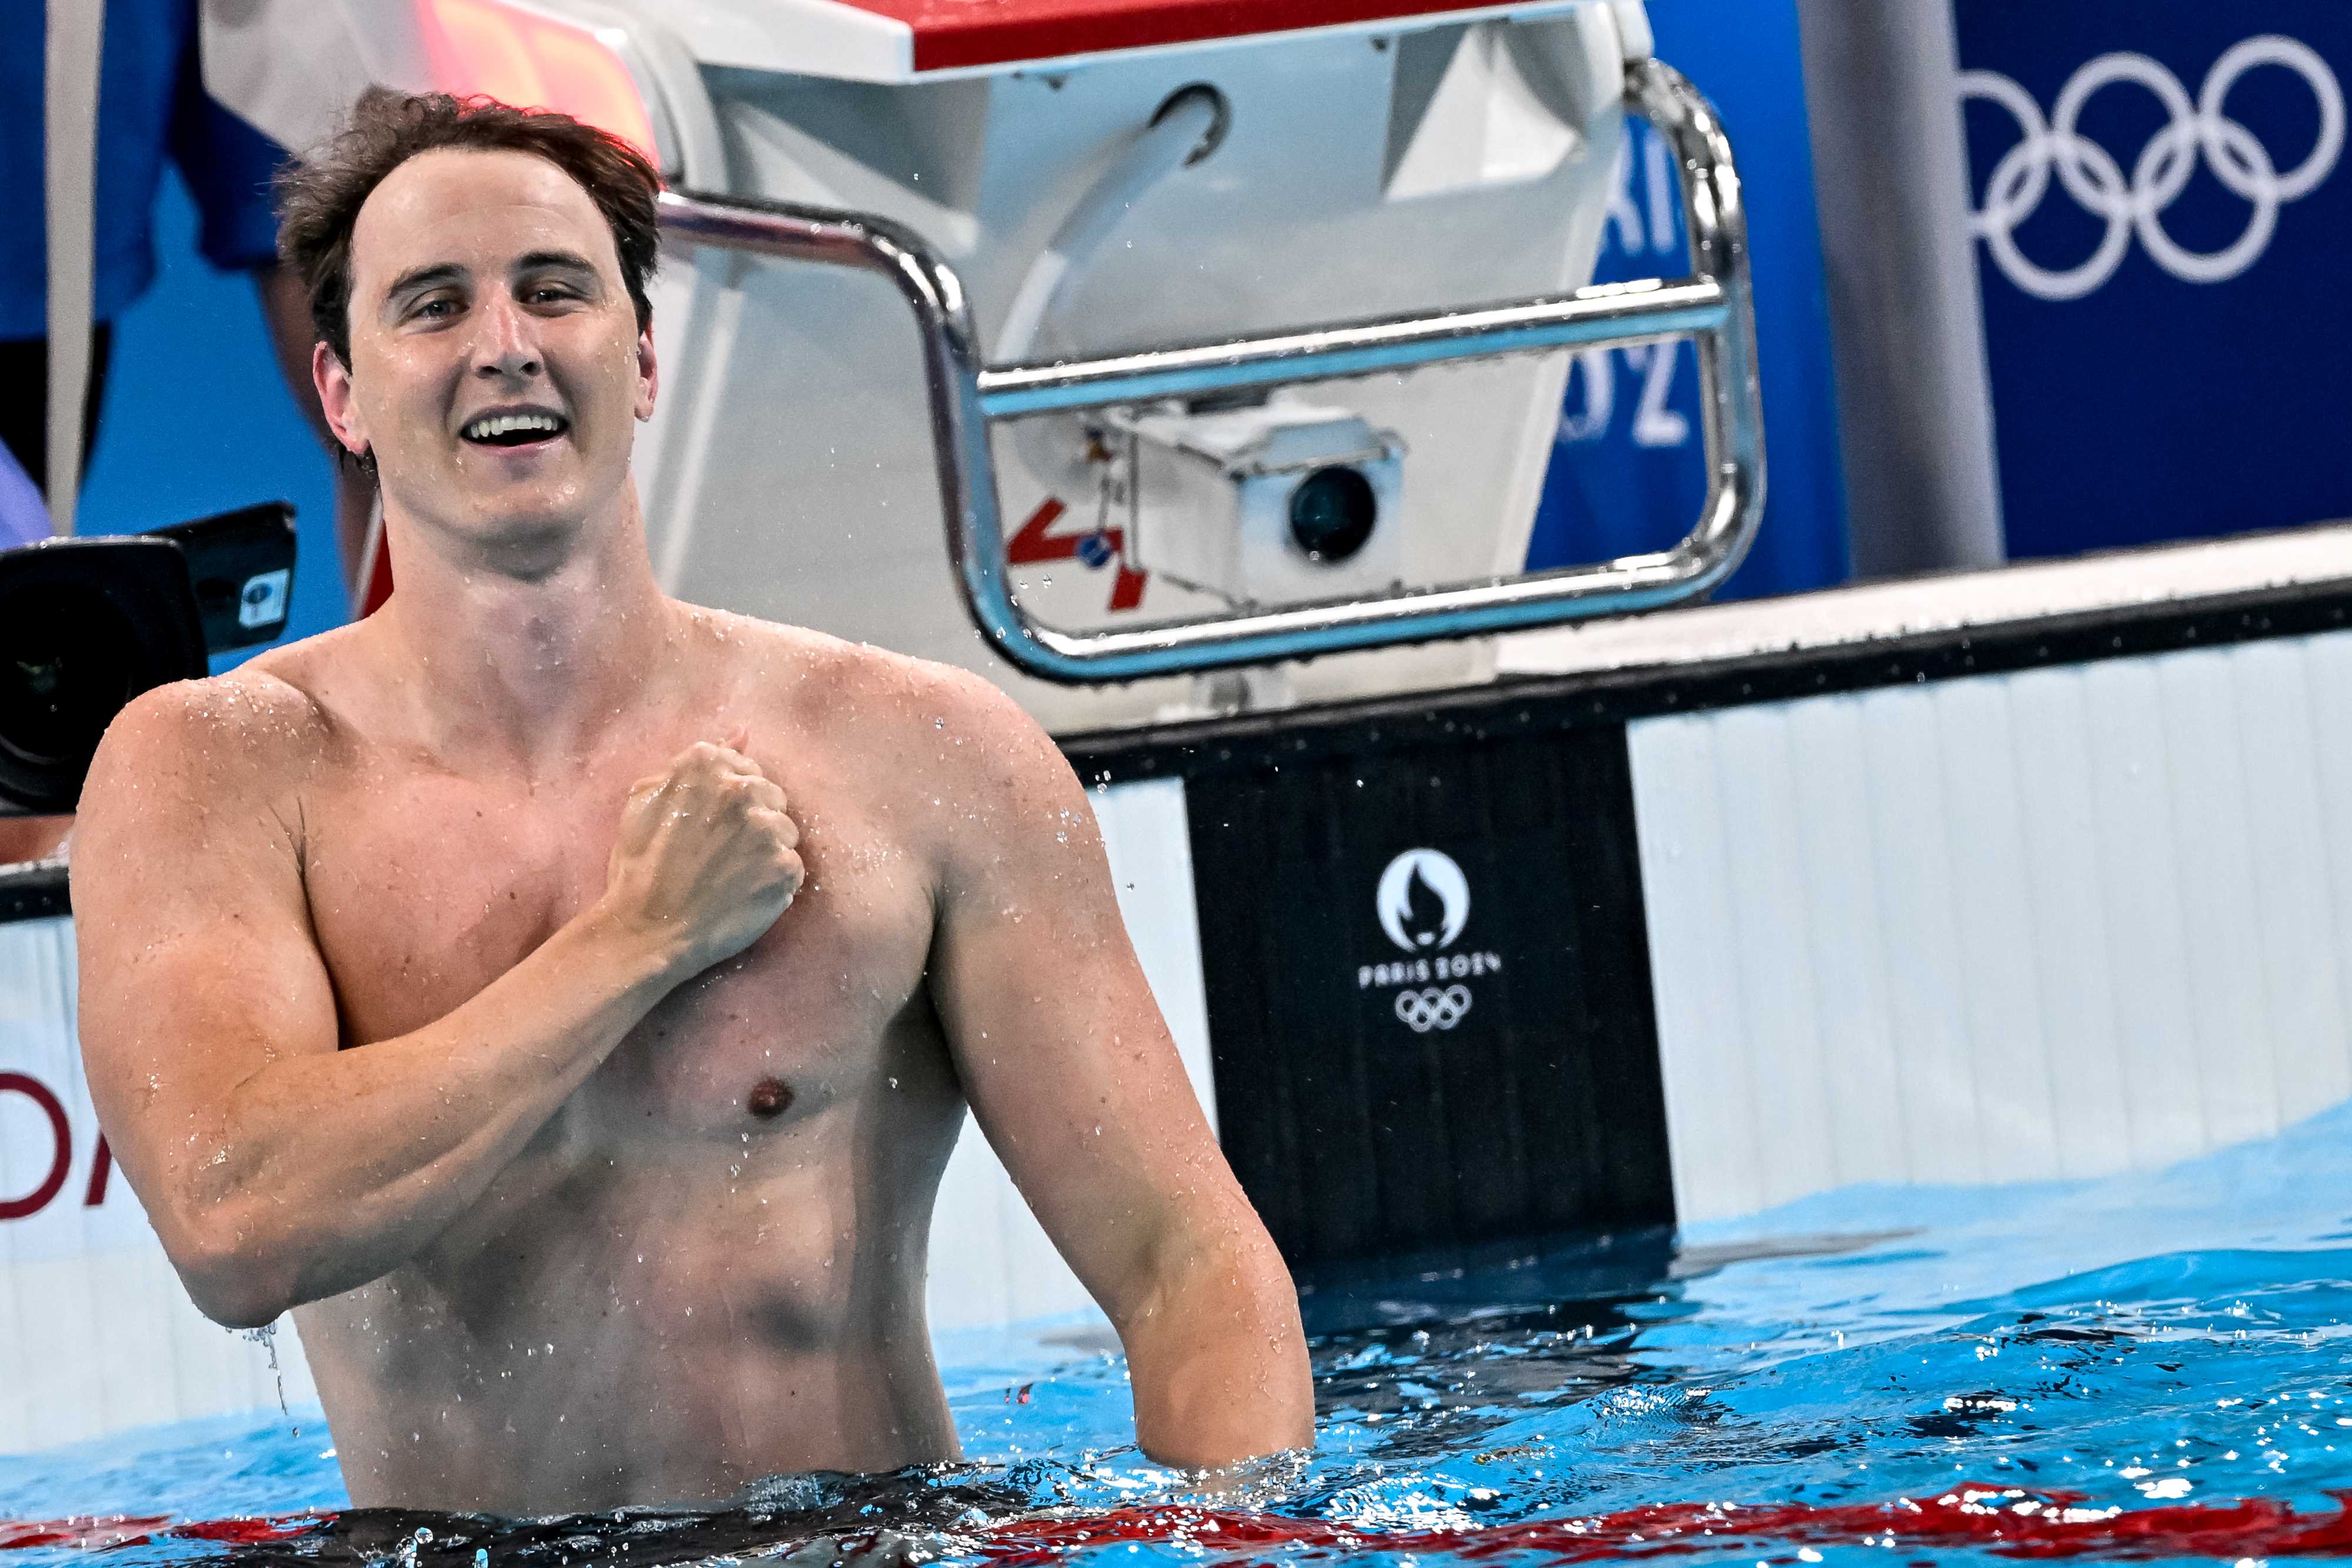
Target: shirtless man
[(565, 998)]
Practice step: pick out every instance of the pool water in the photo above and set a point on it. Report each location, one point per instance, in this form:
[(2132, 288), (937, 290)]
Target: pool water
[(2145, 1367)]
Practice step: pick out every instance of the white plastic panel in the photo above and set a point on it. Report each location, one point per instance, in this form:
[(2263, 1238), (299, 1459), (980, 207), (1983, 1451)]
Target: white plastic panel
[(2027, 927)]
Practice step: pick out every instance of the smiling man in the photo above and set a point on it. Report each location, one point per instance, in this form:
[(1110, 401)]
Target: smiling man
[(565, 998)]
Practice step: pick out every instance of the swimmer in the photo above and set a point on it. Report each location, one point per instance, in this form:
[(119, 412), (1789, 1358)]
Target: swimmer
[(563, 998)]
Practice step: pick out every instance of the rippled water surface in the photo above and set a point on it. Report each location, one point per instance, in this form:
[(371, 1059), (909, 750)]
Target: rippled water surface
[(2144, 1367)]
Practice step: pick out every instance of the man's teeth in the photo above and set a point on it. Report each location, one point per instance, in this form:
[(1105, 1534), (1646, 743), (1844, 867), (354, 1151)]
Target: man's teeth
[(508, 423)]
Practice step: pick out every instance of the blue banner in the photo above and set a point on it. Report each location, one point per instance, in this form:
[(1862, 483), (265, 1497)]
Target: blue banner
[(2162, 210), (1627, 471)]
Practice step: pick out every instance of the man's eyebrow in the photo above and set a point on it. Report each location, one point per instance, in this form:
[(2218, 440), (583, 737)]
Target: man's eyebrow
[(417, 279), (564, 260)]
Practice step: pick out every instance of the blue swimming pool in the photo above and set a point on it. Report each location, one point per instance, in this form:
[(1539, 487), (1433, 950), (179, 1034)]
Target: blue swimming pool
[(2106, 1369)]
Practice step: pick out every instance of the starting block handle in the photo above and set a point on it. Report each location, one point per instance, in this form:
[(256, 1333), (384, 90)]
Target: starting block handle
[(1715, 306)]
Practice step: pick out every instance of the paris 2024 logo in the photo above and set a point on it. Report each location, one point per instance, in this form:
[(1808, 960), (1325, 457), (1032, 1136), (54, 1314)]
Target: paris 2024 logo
[(1422, 900)]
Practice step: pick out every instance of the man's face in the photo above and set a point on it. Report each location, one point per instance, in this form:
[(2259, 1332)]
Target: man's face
[(497, 368)]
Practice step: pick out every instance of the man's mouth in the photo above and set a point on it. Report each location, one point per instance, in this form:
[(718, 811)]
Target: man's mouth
[(515, 429)]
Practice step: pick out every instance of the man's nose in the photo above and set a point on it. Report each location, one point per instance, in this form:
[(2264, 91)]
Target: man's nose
[(505, 343)]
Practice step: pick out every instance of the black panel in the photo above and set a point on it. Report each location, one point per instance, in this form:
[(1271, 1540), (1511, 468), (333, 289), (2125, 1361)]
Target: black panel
[(85, 626), (1479, 1063), (35, 892), (241, 565)]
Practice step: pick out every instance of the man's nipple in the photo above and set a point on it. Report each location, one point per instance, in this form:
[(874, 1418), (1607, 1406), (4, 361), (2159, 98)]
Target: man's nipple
[(771, 1098)]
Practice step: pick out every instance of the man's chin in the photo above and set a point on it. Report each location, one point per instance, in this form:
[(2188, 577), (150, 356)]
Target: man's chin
[(525, 526), (489, 508), (538, 518)]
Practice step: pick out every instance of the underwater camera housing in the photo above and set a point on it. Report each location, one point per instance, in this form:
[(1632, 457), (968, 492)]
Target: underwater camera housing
[(1278, 502), (87, 624)]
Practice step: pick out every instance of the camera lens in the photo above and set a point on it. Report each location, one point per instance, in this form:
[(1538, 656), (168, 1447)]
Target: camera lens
[(1332, 513), (65, 655)]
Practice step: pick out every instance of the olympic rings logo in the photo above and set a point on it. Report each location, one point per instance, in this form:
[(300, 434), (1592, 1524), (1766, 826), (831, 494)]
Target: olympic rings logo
[(1432, 1008), (2199, 132)]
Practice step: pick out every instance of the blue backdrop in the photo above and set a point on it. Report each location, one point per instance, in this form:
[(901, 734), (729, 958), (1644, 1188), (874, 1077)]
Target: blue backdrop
[(1627, 473), (2166, 312)]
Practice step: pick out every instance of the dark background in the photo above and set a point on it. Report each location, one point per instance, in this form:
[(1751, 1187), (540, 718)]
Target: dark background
[(1542, 1111)]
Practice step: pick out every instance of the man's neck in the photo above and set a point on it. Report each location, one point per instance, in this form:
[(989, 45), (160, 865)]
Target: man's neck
[(528, 671)]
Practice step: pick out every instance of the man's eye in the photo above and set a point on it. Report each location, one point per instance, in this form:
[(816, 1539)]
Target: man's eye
[(549, 291), (437, 308)]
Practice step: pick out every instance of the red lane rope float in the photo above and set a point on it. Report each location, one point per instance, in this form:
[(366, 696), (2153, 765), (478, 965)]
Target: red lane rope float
[(96, 1533), (86, 1531), (2005, 1521)]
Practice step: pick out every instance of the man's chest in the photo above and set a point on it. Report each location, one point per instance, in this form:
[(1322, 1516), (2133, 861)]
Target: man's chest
[(424, 891)]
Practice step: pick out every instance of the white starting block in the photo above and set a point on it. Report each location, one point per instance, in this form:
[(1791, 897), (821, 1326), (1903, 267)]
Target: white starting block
[(1084, 254)]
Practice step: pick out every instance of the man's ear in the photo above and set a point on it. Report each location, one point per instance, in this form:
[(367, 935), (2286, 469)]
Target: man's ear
[(333, 379), (649, 371)]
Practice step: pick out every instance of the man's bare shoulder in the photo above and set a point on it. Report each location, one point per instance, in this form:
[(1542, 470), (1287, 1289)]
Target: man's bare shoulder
[(921, 728), (245, 735)]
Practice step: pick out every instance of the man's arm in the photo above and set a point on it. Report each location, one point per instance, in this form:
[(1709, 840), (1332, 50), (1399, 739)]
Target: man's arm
[(1073, 1076), (276, 1168)]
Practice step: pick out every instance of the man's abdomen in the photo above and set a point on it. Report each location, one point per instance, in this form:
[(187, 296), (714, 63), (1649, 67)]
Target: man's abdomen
[(587, 1341)]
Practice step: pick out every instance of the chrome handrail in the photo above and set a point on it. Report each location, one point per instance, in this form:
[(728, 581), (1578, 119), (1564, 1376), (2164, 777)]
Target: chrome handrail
[(1715, 306)]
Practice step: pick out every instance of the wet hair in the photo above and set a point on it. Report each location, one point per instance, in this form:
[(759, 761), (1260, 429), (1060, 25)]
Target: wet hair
[(319, 197)]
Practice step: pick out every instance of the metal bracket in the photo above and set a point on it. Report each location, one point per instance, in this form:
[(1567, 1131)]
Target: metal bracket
[(1713, 306)]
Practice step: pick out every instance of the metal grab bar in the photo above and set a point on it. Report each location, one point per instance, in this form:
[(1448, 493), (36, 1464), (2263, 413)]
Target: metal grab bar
[(1715, 304)]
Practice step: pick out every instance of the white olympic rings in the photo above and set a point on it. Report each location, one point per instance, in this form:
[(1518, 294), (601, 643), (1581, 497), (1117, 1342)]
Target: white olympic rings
[(2094, 179), (1432, 1008)]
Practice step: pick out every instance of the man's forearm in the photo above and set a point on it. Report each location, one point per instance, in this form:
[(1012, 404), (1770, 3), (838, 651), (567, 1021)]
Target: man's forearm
[(326, 1172), (1217, 1359)]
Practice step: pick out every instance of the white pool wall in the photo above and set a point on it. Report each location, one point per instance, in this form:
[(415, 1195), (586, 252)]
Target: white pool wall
[(2055, 924)]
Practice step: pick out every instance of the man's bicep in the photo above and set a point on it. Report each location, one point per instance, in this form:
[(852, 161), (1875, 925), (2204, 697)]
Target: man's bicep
[(197, 963)]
